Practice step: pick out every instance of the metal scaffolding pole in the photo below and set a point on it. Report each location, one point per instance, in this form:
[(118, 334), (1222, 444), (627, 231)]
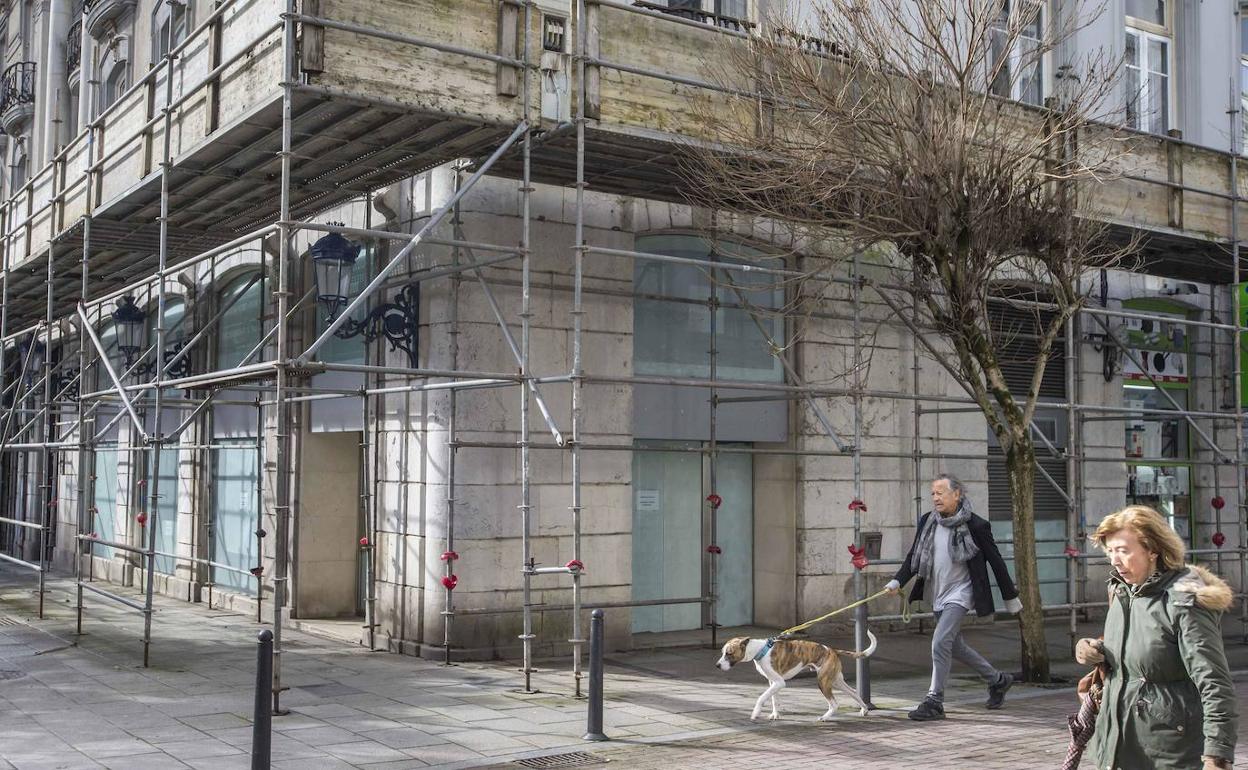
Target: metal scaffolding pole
[(205, 459), (367, 501), (46, 463), (1237, 355), (862, 666), (452, 449), (86, 477), (282, 409), (1215, 428), (711, 553), (526, 328), (1072, 475), (579, 246), (155, 443), (86, 444)]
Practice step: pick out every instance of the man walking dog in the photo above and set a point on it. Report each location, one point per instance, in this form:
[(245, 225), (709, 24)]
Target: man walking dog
[(951, 553)]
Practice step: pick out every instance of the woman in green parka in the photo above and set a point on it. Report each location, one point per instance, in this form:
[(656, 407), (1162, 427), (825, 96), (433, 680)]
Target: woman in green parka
[(1168, 701)]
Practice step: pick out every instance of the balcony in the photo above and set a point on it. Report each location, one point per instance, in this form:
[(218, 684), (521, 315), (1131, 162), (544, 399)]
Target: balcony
[(73, 50), (17, 97), (692, 10), (101, 12)]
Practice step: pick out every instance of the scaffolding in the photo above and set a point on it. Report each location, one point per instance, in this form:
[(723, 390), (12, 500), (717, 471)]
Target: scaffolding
[(45, 419)]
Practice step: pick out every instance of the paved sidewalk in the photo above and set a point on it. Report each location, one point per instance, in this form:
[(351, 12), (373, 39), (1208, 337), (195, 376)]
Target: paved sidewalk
[(1029, 734), (92, 705)]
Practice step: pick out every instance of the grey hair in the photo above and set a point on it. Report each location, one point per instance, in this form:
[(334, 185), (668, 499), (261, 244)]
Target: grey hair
[(954, 483)]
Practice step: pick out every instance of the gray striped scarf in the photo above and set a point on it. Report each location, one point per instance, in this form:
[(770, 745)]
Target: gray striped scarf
[(962, 545)]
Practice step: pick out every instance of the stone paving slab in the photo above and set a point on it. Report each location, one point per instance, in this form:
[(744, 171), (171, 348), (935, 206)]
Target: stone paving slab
[(92, 705)]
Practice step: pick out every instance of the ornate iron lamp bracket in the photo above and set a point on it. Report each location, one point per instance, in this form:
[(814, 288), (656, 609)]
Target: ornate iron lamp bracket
[(397, 321)]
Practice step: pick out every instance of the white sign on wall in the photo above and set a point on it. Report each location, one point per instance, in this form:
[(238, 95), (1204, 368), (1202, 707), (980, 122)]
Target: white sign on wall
[(648, 499)]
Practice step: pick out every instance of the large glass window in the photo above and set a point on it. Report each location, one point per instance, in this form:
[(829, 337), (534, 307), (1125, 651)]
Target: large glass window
[(1147, 61), (19, 166), (1157, 444), (106, 489), (1016, 68), (1147, 11), (175, 332), (1158, 454), (235, 467), (113, 87), (672, 315), (171, 23), (165, 517), (239, 328)]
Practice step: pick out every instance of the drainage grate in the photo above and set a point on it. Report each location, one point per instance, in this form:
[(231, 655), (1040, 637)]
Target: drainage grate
[(7, 674), (575, 759)]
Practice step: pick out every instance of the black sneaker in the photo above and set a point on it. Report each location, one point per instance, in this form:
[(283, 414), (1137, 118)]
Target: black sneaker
[(928, 710), (996, 692)]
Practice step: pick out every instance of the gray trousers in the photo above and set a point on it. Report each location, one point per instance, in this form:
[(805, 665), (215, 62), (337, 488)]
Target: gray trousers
[(947, 644)]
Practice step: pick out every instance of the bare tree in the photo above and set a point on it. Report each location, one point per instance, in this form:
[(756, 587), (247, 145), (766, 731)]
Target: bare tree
[(899, 126)]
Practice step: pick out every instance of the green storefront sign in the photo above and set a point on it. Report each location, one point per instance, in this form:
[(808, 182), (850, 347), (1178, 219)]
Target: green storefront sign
[(1241, 314)]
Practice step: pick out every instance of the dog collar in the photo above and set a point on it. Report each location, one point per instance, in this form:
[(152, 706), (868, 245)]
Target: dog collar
[(766, 649)]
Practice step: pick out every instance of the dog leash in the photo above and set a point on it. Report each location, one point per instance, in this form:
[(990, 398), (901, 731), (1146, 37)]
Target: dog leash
[(905, 614)]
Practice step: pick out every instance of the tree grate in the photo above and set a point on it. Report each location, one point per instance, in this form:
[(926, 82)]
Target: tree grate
[(573, 759)]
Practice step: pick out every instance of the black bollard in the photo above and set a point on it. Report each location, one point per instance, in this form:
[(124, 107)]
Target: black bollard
[(594, 731), (262, 724)]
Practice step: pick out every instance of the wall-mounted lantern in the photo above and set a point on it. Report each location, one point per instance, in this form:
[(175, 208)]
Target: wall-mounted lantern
[(34, 353), (130, 328), (334, 258)]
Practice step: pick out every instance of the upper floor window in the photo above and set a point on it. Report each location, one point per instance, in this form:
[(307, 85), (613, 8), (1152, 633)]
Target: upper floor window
[(19, 166), (729, 14), (171, 21), (26, 26), (1015, 52), (672, 322), (1148, 65), (1243, 81), (113, 86)]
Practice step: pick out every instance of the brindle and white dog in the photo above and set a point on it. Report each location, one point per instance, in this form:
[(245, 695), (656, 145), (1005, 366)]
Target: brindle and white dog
[(781, 659)]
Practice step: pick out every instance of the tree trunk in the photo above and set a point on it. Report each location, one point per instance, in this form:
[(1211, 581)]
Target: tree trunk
[(1020, 465)]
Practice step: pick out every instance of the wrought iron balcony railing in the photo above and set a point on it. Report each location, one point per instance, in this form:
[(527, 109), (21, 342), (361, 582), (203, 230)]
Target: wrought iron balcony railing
[(73, 46), (18, 85), (692, 9)]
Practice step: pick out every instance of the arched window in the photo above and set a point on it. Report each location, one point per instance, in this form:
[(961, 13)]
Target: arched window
[(20, 166), (171, 22), (236, 468), (113, 69)]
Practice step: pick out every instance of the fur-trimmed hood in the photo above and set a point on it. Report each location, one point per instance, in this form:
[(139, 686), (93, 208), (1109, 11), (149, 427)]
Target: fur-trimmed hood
[(1206, 589)]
